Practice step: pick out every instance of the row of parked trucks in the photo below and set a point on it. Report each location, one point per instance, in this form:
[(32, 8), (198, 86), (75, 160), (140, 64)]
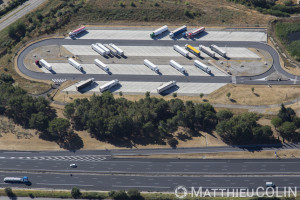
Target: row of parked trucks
[(210, 51), (79, 86), (106, 49), (181, 30), (177, 66)]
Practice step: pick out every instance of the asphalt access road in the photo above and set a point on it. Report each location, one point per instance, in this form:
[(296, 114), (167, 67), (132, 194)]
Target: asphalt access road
[(205, 79), (132, 152), (146, 183)]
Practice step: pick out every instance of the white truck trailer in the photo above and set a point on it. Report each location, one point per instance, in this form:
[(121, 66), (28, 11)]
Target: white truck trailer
[(151, 66), (98, 49), (207, 51), (119, 51), (166, 86), (177, 66), (75, 64), (181, 50), (101, 65), (84, 84), (218, 50), (45, 64), (109, 85), (111, 50), (107, 51), (159, 31), (202, 66), (16, 180)]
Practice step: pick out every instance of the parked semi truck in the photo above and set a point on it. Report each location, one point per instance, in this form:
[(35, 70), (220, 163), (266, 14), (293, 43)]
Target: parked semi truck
[(159, 31), (45, 64), (218, 50), (101, 65), (119, 51), (98, 49), (111, 50), (207, 51), (166, 86), (193, 33), (107, 51), (177, 66), (77, 31), (24, 179), (181, 50), (75, 64), (178, 31), (192, 49), (109, 85), (202, 66), (83, 84), (151, 66)]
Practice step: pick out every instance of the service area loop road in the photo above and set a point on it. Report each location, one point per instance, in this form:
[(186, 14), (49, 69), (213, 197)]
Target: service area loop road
[(258, 79)]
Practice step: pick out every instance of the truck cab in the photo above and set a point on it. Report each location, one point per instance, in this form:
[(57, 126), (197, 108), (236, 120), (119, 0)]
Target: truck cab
[(270, 184)]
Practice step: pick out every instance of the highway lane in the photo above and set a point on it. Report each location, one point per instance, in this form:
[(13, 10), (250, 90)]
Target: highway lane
[(146, 183), (197, 167), (19, 12), (244, 80)]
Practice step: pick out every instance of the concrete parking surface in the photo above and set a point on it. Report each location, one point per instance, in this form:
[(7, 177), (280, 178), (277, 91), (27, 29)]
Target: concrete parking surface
[(150, 51), (190, 89), (66, 68), (145, 35)]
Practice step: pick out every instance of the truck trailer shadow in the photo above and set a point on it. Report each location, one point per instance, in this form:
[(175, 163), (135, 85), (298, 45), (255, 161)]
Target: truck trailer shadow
[(115, 88), (88, 88), (169, 91), (164, 34), (79, 35), (199, 36)]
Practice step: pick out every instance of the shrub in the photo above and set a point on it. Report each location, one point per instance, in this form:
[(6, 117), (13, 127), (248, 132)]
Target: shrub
[(75, 193)]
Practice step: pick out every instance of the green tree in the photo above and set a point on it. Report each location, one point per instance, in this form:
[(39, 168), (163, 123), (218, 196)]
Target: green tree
[(287, 130), (76, 193), (12, 32), (147, 94), (120, 195), (286, 114), (39, 121), (173, 143), (8, 191), (228, 95), (201, 95), (252, 89), (276, 122), (174, 94), (224, 115), (59, 127), (134, 194)]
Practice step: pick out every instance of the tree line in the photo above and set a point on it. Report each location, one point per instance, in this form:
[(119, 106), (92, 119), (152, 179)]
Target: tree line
[(35, 113), (147, 121)]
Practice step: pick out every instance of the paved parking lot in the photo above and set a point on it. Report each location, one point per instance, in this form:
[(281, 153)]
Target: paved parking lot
[(190, 89), (145, 35), (150, 51), (131, 69)]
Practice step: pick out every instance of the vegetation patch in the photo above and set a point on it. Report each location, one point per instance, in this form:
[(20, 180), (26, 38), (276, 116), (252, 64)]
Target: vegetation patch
[(283, 31), (270, 7)]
